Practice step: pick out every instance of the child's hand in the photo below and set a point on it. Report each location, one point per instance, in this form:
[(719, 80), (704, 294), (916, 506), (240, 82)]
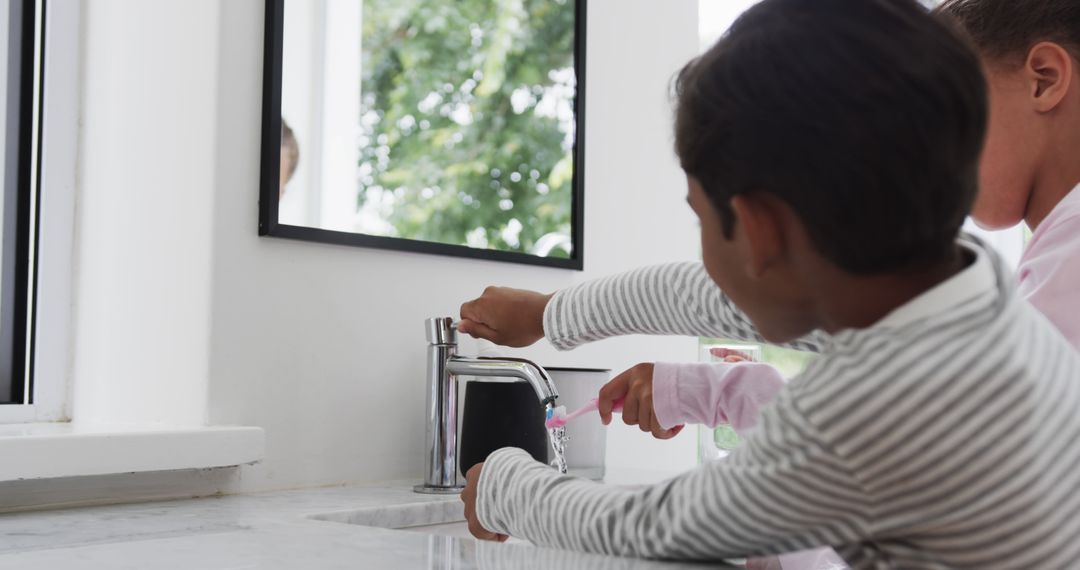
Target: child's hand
[(635, 388), (510, 317), (468, 496)]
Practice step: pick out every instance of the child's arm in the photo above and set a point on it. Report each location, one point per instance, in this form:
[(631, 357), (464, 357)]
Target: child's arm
[(782, 491), (671, 299), (714, 394), (660, 397), (675, 298)]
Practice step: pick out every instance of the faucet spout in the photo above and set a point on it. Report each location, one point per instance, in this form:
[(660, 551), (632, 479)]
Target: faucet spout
[(520, 368), (443, 368)]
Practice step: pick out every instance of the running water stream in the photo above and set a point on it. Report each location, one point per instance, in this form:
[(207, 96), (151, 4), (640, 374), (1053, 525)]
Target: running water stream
[(558, 445), (558, 438)]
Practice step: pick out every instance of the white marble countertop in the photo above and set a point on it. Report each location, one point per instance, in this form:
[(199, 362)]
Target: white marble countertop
[(268, 531)]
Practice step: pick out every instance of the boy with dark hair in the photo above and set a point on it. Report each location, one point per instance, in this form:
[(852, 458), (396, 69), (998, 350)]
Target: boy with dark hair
[(831, 150)]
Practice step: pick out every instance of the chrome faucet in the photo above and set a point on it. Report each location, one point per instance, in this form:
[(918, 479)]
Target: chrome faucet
[(443, 367)]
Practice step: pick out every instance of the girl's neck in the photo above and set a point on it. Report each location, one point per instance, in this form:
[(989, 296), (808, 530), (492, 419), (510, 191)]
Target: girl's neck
[(1056, 176)]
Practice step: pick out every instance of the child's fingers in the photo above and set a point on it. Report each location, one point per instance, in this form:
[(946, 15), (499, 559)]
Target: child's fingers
[(630, 409), (468, 497), (645, 413), (482, 533), (472, 311), (611, 392), (661, 433), (657, 431), (478, 330), (645, 421)]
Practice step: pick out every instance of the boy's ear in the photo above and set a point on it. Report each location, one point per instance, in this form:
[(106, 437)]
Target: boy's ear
[(760, 224), (1050, 68)]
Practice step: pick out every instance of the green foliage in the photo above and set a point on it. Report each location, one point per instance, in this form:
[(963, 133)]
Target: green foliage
[(462, 140)]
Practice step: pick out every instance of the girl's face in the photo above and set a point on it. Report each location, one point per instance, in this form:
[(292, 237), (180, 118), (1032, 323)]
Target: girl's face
[(1008, 165)]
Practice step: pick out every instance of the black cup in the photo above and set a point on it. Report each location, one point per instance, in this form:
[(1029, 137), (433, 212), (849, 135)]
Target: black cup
[(498, 415)]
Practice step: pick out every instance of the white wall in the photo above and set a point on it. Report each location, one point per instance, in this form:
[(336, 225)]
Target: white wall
[(321, 345), (144, 212)]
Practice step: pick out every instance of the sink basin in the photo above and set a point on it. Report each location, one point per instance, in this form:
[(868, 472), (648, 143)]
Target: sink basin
[(444, 521), (409, 516), (455, 529), (439, 518)]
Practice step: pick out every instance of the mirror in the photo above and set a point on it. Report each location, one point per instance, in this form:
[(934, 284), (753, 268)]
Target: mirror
[(452, 127)]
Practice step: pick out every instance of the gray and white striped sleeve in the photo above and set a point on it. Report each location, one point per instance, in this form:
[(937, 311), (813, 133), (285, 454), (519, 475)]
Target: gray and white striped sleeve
[(782, 491), (669, 299)]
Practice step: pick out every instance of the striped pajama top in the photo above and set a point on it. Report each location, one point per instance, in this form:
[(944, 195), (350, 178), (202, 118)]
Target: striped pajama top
[(945, 436)]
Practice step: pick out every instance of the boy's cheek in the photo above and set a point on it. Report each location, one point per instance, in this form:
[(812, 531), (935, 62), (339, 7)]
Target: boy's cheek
[(726, 270), (771, 303), (719, 263)]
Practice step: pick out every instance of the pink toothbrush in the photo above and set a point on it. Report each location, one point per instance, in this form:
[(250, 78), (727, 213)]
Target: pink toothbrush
[(557, 417)]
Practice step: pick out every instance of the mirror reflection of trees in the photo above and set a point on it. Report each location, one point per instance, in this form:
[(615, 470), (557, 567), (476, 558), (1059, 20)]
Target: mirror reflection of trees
[(467, 122)]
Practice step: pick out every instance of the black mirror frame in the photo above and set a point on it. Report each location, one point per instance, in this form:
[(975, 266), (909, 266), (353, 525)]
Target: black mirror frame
[(271, 159)]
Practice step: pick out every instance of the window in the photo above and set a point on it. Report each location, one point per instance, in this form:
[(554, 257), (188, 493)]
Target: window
[(20, 94)]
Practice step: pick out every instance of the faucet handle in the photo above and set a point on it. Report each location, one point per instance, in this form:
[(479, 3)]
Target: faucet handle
[(442, 330)]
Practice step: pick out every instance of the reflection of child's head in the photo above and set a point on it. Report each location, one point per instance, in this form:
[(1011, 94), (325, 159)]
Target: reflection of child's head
[(290, 155), (861, 121), (1031, 52)]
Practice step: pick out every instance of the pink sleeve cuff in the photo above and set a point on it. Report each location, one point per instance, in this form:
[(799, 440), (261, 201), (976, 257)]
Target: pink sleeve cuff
[(665, 391)]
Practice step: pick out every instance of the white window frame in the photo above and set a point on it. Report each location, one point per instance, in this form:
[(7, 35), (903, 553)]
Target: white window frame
[(55, 271), (321, 36)]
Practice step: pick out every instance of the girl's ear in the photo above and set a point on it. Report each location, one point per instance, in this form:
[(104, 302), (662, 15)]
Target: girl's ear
[(1050, 70), (762, 229)]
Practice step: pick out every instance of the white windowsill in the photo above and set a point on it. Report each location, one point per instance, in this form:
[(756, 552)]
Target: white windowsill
[(42, 451)]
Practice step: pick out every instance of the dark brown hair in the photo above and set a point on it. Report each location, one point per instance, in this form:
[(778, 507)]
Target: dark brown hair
[(866, 117), (1005, 30)]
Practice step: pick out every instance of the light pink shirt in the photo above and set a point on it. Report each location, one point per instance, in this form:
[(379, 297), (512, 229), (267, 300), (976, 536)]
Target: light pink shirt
[(1049, 270)]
